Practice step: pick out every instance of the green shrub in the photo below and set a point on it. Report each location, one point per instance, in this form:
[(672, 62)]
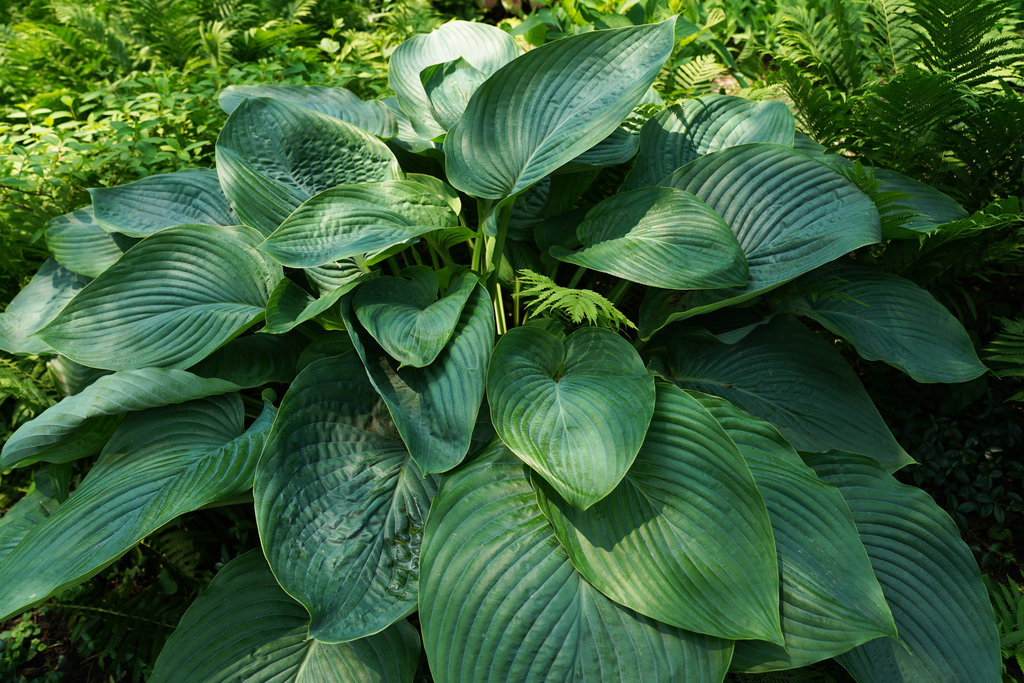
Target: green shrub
[(710, 493)]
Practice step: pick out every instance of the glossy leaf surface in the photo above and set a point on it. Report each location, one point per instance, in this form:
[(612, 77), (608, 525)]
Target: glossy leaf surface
[(550, 105), (169, 301), (574, 409), (929, 578), (340, 504), (661, 237), (244, 627), (500, 601)]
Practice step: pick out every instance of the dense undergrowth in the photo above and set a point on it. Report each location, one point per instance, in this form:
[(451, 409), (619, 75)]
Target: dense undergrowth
[(102, 95)]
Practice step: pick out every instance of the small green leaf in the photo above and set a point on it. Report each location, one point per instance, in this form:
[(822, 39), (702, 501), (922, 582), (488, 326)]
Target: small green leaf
[(685, 537), (357, 220), (448, 87), (297, 153), (929, 577), (169, 301), (372, 116), (574, 409), (550, 105), (340, 504), (244, 627), (161, 201), (407, 318), (661, 237), (290, 305), (500, 601)]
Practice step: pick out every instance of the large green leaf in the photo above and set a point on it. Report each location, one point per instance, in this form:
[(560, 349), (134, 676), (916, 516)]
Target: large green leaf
[(158, 465), (407, 318), (54, 435), (500, 601), (37, 304), (161, 201), (929, 578), (169, 301), (574, 409), (660, 237), (484, 48), (272, 156), (372, 116), (685, 538), (81, 245), (353, 220), (243, 627), (830, 599), (340, 504), (254, 359), (889, 318), (784, 373), (550, 105), (702, 125), (435, 407), (790, 214)]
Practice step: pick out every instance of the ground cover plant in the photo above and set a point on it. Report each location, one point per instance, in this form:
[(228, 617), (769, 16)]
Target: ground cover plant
[(523, 351)]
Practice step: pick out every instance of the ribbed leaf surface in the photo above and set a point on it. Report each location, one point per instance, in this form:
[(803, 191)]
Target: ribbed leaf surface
[(929, 578), (661, 237), (37, 304), (790, 214), (702, 125), (340, 505), (46, 437), (550, 105), (933, 208), (500, 601), (81, 245), (574, 409), (290, 305), (784, 373), (448, 87), (352, 220), (243, 627), (888, 318), (158, 465), (272, 156), (169, 301), (29, 512), (830, 598), (685, 537), (372, 116), (407, 318), (435, 407), (161, 201), (483, 47)]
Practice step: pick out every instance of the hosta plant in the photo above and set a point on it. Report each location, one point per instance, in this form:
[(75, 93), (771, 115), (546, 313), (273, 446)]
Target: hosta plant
[(522, 369)]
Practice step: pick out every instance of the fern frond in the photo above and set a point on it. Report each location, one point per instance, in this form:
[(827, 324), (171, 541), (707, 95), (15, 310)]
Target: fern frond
[(576, 305), (1008, 603), (693, 77), (890, 21)]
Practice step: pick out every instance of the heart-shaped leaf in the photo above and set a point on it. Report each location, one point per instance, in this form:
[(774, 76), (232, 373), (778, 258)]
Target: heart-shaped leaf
[(661, 237), (685, 537), (483, 47), (574, 409), (158, 465), (37, 304), (702, 125), (784, 373), (512, 608), (244, 627), (353, 220), (550, 105), (888, 318), (407, 318), (161, 201), (435, 407), (298, 153), (372, 116), (830, 598), (928, 575), (81, 245), (169, 301), (789, 212), (340, 504)]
